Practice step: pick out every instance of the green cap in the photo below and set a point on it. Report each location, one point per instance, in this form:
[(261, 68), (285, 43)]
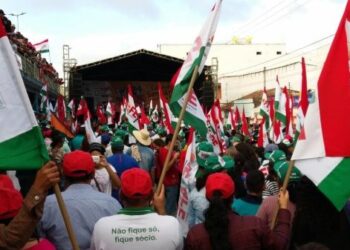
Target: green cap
[(203, 151), (117, 142), (276, 156), (215, 163), (161, 131), (229, 162), (121, 133), (104, 128), (281, 169), (182, 134), (235, 139)]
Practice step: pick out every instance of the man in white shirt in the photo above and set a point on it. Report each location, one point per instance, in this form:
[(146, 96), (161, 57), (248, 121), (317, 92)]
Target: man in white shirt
[(137, 225)]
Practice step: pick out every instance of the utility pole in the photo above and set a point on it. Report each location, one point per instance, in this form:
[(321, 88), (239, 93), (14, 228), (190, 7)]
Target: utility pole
[(17, 17)]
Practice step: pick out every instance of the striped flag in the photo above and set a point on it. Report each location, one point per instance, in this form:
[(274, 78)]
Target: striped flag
[(303, 102), (169, 118), (322, 154), (43, 46), (264, 110), (194, 114), (131, 112), (21, 142)]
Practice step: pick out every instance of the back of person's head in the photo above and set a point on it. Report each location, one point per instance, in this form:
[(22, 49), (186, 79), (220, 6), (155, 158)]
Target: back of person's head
[(251, 161), (136, 188), (117, 144), (78, 167), (168, 138), (10, 200), (255, 181), (220, 189)]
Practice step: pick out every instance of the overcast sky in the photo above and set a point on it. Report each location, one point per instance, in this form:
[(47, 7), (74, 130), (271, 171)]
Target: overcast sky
[(100, 29)]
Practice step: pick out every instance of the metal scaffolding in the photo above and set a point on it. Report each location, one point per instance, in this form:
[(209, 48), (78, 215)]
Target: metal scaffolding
[(68, 63)]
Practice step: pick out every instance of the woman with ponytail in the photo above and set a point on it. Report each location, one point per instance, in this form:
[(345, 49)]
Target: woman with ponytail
[(224, 230)]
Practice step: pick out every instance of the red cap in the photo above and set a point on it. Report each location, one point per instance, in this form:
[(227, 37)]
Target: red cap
[(77, 164), (219, 182), (136, 182), (10, 199)]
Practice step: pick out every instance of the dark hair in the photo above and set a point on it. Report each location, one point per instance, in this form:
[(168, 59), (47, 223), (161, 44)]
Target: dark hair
[(200, 181), (73, 180), (168, 138), (255, 181), (134, 202), (236, 175), (159, 142), (251, 161), (283, 147), (97, 147), (317, 220), (217, 222), (57, 138)]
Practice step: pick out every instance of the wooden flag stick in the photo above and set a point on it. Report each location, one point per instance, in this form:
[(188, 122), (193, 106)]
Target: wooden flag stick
[(177, 129), (283, 189), (66, 218)]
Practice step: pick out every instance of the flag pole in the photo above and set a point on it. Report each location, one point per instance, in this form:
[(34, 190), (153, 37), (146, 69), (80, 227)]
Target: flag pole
[(283, 189), (177, 129), (66, 218)]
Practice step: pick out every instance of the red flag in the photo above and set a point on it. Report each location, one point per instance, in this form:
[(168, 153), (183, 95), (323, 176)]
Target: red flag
[(304, 101), (101, 115), (237, 117), (288, 110), (144, 119), (245, 130), (83, 109), (334, 92), (61, 108)]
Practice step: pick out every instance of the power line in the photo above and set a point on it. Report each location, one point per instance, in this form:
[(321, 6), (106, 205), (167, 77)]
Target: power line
[(277, 58), (252, 21), (260, 25)]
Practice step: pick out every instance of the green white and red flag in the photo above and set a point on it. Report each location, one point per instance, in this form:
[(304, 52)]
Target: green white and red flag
[(323, 152), (194, 114), (83, 110), (303, 102), (21, 142), (216, 130), (280, 104), (262, 138), (212, 135), (168, 117), (110, 112), (122, 111), (42, 47), (231, 119), (131, 112), (101, 117), (264, 110), (71, 108), (188, 180)]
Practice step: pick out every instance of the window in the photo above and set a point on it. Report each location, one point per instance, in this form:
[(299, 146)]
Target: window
[(278, 52), (258, 53)]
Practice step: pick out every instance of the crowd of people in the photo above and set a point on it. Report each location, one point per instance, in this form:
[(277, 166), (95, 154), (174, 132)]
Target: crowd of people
[(108, 187), (25, 48)]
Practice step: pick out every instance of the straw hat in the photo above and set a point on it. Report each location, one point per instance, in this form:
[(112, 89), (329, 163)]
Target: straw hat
[(142, 136)]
